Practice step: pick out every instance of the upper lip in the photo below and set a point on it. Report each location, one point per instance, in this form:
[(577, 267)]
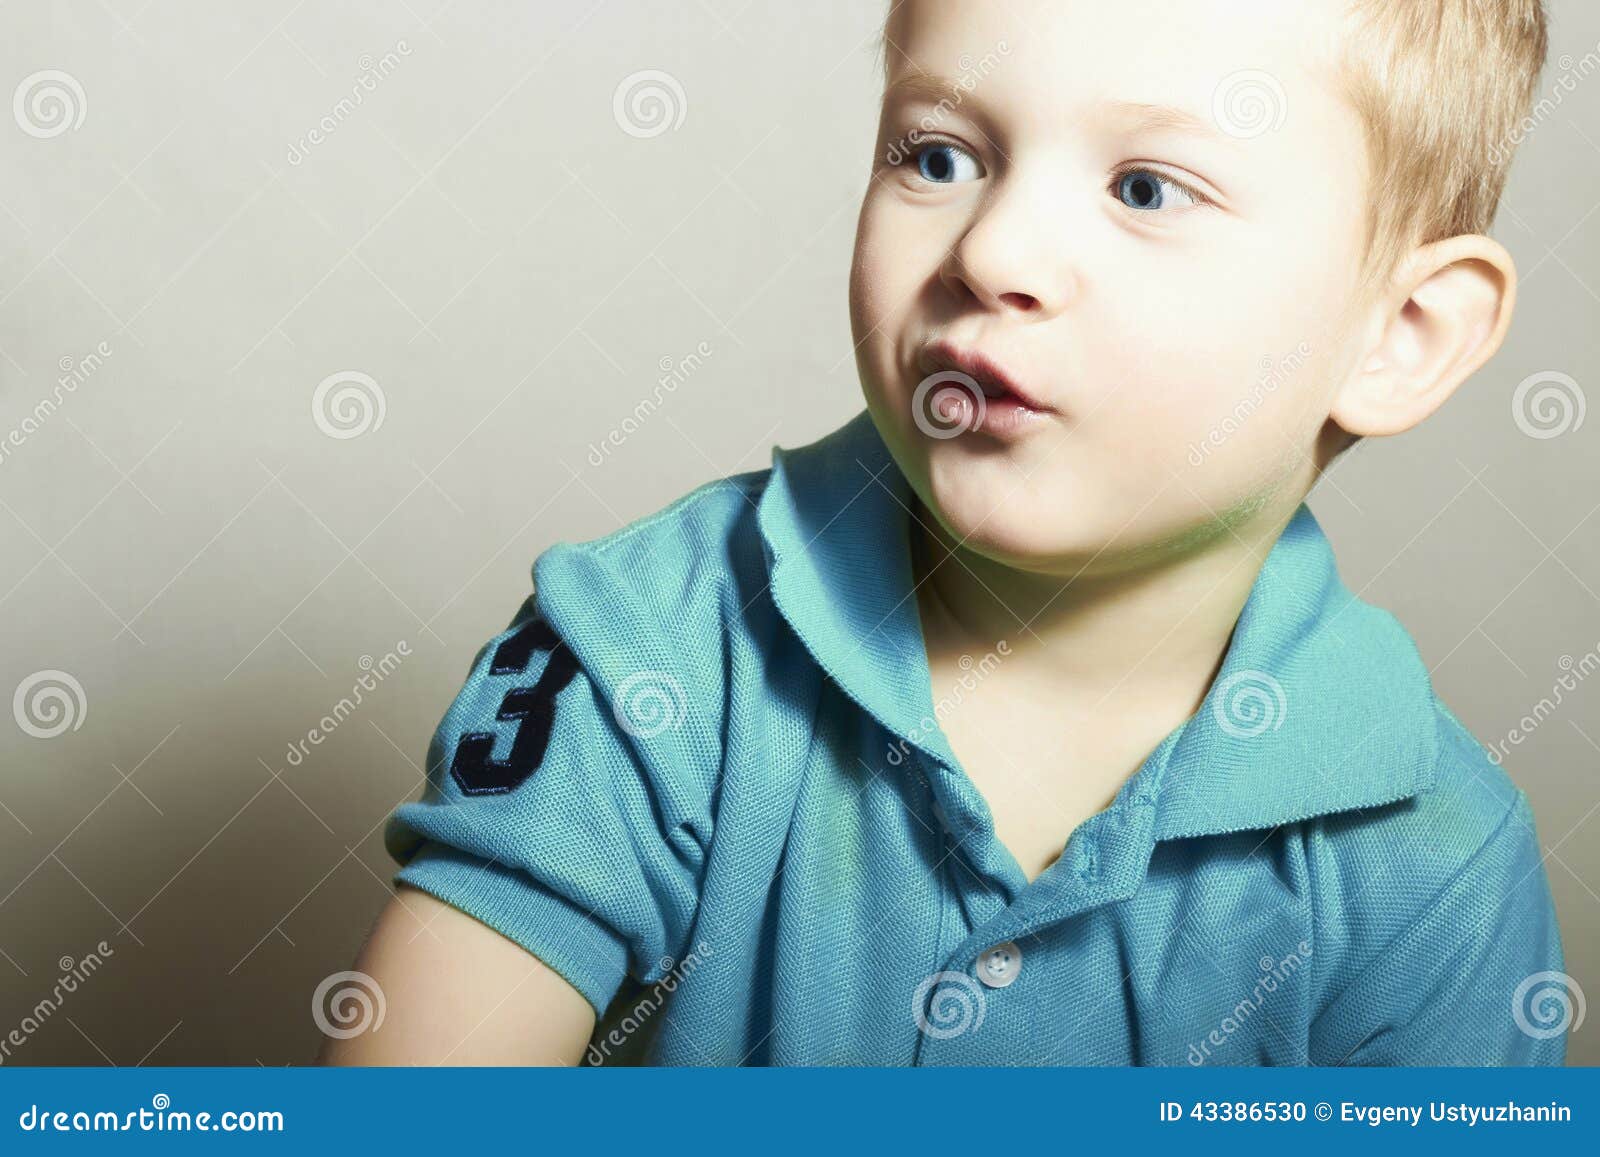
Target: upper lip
[(991, 376)]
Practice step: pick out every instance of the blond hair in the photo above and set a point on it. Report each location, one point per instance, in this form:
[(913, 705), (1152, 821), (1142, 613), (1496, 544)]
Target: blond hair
[(1442, 87)]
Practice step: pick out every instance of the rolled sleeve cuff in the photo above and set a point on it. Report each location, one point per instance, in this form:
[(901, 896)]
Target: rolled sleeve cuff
[(587, 954)]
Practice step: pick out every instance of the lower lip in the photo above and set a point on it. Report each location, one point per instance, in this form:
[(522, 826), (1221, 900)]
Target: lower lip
[(1006, 416)]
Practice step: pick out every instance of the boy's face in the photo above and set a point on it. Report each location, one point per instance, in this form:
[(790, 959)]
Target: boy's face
[(1169, 297)]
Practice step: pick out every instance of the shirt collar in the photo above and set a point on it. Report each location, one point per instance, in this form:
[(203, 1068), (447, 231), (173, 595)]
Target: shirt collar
[(1322, 703)]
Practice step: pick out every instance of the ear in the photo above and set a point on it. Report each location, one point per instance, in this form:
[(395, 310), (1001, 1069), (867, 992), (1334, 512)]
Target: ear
[(1444, 314)]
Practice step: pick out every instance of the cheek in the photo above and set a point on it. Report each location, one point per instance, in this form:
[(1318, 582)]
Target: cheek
[(897, 255), (872, 269), (1248, 346), (1209, 399)]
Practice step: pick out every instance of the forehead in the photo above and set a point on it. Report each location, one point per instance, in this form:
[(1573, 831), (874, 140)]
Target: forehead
[(1039, 62)]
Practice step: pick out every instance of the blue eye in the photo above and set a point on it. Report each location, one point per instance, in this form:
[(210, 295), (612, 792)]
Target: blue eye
[(1147, 190), (944, 164)]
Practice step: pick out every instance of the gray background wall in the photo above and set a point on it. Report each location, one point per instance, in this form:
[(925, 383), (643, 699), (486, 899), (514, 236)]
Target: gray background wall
[(479, 236)]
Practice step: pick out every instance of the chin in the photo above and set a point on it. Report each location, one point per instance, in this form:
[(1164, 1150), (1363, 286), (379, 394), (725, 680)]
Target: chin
[(1051, 526), (993, 511)]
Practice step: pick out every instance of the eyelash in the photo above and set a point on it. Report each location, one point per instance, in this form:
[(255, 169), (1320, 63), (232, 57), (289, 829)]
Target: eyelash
[(1114, 178), (1200, 199)]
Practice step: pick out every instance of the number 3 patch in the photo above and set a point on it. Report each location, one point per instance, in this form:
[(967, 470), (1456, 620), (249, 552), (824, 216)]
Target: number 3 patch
[(533, 709)]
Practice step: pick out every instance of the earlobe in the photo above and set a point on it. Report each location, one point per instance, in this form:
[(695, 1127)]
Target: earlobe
[(1445, 315)]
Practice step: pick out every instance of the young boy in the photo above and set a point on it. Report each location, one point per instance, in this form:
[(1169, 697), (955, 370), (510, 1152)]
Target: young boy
[(1025, 719)]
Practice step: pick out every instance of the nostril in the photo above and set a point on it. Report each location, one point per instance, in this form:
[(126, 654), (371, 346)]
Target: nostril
[(1021, 301)]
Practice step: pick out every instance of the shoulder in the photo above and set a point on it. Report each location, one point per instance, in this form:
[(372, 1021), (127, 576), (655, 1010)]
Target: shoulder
[(612, 669), (1471, 805), (1433, 917), (682, 557), (1416, 846), (1429, 873), (626, 636)]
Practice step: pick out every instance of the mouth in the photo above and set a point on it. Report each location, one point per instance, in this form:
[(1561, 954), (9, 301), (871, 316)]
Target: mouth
[(965, 389)]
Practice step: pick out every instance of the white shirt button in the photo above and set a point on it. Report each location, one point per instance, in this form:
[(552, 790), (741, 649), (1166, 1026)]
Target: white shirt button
[(1000, 965)]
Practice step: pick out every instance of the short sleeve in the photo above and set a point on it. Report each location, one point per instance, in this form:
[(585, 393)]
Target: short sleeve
[(544, 819), (1476, 980)]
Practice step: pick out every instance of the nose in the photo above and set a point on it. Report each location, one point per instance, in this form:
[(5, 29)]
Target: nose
[(1003, 263)]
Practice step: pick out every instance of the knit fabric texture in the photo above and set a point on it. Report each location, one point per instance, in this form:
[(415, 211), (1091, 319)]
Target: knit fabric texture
[(734, 824)]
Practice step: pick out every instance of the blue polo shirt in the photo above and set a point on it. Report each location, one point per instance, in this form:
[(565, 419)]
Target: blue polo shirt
[(701, 775)]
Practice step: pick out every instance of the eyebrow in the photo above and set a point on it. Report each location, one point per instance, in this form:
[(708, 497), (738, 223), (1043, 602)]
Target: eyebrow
[(925, 86), (1136, 115), (1157, 117)]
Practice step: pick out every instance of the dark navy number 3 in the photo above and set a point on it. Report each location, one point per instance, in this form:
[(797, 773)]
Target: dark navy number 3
[(532, 708)]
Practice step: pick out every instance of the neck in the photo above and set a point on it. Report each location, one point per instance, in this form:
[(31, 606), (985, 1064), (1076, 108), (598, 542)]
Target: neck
[(1114, 640)]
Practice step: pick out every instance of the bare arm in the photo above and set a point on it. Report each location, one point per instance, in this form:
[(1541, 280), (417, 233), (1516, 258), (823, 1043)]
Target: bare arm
[(457, 992)]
